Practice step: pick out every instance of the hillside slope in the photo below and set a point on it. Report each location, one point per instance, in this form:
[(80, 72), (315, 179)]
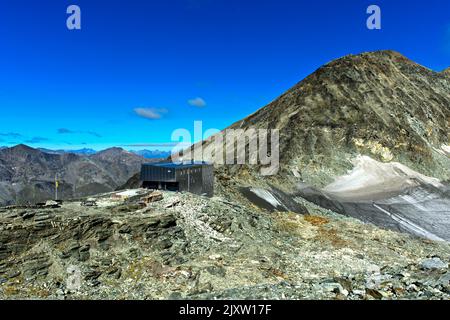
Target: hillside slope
[(378, 104), (366, 136), (27, 175)]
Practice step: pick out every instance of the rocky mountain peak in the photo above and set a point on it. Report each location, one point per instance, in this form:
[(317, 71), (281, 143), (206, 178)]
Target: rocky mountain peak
[(380, 104), (113, 154), (21, 148), (365, 66), (113, 150)]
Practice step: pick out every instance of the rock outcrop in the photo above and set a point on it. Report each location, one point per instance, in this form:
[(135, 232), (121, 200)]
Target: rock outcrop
[(185, 246)]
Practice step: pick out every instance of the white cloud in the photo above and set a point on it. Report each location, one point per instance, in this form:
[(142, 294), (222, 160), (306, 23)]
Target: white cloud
[(197, 102), (150, 113)]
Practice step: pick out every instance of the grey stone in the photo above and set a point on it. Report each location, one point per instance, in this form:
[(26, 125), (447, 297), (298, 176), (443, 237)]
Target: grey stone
[(433, 264), (217, 271), (13, 274)]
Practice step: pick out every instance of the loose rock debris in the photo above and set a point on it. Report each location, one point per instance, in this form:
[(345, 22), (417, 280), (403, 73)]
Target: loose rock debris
[(191, 247)]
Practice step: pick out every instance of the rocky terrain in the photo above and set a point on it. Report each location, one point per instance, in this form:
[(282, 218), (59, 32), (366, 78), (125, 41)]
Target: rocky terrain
[(183, 246), (27, 175), (365, 135), (359, 209)]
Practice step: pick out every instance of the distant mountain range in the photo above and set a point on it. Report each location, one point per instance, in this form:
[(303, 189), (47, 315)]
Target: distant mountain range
[(148, 154), (152, 154), (27, 175)]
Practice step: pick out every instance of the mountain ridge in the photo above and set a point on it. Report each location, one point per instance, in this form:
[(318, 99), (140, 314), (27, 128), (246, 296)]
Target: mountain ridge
[(380, 104), (27, 175), (84, 151)]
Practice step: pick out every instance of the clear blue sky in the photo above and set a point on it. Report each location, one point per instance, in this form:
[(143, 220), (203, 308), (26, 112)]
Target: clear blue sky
[(236, 55)]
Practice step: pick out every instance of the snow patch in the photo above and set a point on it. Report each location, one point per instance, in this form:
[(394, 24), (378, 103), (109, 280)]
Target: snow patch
[(129, 193), (444, 150), (410, 225), (370, 178), (267, 196)]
